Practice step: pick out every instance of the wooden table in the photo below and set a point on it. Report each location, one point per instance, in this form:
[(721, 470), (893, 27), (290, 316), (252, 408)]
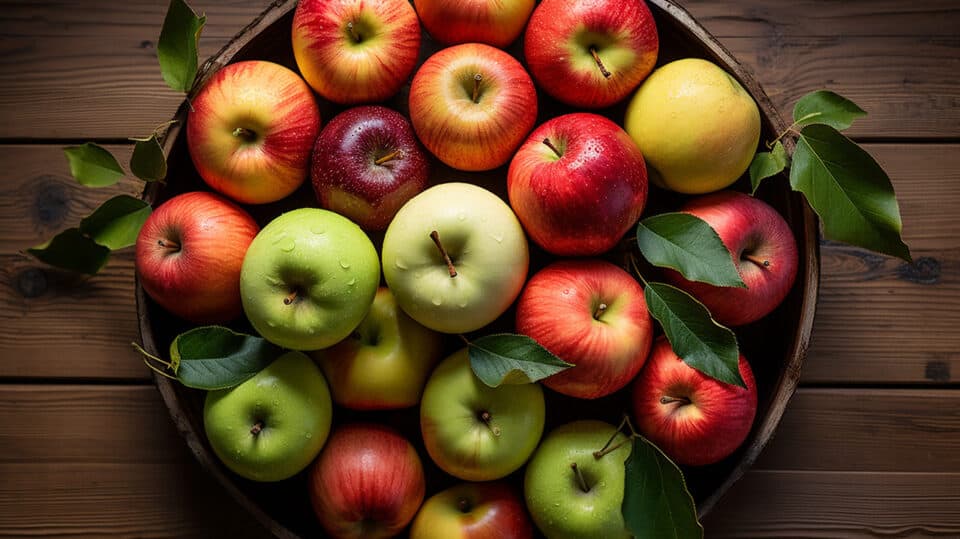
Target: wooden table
[(870, 444)]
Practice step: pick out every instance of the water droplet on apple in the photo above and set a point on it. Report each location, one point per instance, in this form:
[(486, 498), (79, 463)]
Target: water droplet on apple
[(497, 237), (462, 305), (566, 291), (308, 435), (352, 281), (400, 264), (287, 245), (437, 300), (276, 402), (344, 264), (279, 238), (317, 229), (461, 216), (311, 331)]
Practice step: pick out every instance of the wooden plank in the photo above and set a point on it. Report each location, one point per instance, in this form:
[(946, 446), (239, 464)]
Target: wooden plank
[(74, 70)]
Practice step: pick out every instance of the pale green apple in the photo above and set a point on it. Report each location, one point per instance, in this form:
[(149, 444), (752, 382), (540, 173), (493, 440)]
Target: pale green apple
[(476, 432), (273, 425), (583, 501), (308, 279), (487, 250), (385, 362)]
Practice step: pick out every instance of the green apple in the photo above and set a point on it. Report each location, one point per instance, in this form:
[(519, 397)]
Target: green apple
[(455, 257), (476, 432), (273, 425), (570, 492), (308, 279), (385, 362)]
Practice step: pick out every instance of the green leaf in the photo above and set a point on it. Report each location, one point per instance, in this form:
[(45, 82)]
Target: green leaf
[(215, 357), (73, 251), (694, 335), (93, 165), (766, 164), (177, 46), (827, 108), (849, 191), (148, 162), (506, 358), (116, 223), (656, 502), (689, 245)]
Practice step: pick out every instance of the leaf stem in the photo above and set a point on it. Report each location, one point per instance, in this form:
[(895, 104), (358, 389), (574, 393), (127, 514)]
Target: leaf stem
[(148, 357), (792, 129)]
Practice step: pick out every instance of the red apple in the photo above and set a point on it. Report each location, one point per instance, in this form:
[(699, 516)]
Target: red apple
[(592, 314), (578, 184), (696, 420), (251, 130), (494, 22), (473, 511), (367, 163), (355, 51), (472, 105), (189, 253), (367, 482), (591, 54), (763, 249)]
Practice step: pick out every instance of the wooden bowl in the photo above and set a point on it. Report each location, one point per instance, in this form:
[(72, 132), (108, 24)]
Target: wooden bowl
[(775, 346)]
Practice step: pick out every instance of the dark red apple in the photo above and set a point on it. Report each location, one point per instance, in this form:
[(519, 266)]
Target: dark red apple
[(473, 511)]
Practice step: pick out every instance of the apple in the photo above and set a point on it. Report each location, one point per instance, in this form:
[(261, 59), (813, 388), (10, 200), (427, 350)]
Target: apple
[(308, 279), (494, 22), (352, 51), (697, 127), (570, 492), (763, 250), (591, 54), (476, 432), (250, 131), (577, 184), (367, 163), (694, 419), (189, 253), (472, 105), (455, 257), (367, 483), (590, 313), (385, 362), (273, 425), (473, 511)]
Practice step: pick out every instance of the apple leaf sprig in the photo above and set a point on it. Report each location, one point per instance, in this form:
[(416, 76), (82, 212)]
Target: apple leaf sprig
[(507, 358)]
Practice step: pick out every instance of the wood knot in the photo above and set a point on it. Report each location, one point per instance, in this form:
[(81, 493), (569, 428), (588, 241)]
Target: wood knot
[(924, 270), (937, 371), (31, 282), (51, 203)]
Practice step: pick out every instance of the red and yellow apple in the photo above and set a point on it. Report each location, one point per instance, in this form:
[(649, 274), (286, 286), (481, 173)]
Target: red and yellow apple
[(494, 22), (473, 511)]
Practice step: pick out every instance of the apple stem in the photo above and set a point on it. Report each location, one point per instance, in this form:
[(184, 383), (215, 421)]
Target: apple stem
[(596, 314), (245, 134), (395, 154), (291, 297), (757, 261), (596, 58), (257, 427), (550, 145), (666, 399), (353, 32), (169, 244), (148, 357), (435, 236), (583, 482), (486, 417), (476, 87)]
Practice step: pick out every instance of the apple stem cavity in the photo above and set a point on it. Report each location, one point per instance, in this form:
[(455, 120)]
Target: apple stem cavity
[(257, 427), (169, 244), (353, 32), (666, 399), (244, 133), (580, 479), (600, 310), (756, 260), (477, 79), (435, 236), (464, 505), (395, 154), (486, 417), (550, 145), (596, 58)]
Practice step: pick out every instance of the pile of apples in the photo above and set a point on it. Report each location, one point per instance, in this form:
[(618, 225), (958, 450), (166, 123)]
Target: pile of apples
[(454, 257)]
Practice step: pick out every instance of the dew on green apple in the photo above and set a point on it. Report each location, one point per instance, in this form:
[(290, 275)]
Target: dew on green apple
[(399, 264), (344, 264)]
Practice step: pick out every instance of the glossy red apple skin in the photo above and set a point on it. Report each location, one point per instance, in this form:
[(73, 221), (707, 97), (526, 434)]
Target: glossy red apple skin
[(473, 511), (189, 253), (560, 33), (751, 228), (582, 202), (494, 22), (281, 117), (464, 134), (368, 482), (347, 71), (708, 429), (560, 308), (345, 174)]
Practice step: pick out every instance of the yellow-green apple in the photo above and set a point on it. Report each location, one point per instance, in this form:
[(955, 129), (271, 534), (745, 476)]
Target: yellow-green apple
[(694, 419), (385, 362), (590, 313), (494, 22), (476, 432), (355, 51), (763, 250), (273, 425), (472, 105), (455, 257), (250, 131), (367, 163), (697, 127), (367, 483), (591, 54), (473, 511), (570, 492), (189, 253), (308, 279), (577, 184)]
